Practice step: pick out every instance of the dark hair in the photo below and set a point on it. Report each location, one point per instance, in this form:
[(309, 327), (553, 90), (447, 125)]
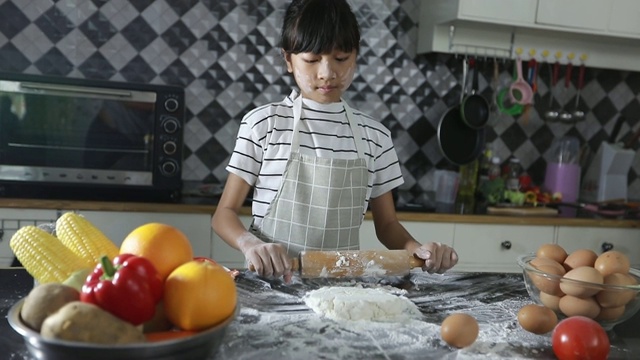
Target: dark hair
[(319, 27)]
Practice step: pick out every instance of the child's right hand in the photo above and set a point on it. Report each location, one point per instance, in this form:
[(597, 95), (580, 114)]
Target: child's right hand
[(266, 259)]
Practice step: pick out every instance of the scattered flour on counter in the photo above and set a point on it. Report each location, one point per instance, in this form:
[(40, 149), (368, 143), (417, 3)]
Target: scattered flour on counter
[(357, 303)]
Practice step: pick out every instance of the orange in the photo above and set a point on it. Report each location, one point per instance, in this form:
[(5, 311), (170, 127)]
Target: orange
[(198, 295), (164, 245)]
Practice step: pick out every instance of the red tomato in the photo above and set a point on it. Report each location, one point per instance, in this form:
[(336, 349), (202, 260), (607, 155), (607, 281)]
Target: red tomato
[(579, 337)]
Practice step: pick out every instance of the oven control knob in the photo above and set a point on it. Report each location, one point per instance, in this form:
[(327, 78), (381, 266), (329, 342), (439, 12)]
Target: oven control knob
[(169, 168), (169, 147), (171, 105), (170, 125)]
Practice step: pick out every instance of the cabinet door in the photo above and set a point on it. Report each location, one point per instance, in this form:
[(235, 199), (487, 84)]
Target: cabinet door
[(509, 11), (422, 231), (116, 225), (224, 254), (601, 239), (495, 248), (583, 14), (625, 17), (13, 219)]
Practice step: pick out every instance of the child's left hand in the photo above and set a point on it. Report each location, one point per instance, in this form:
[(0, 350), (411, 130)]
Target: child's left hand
[(437, 257)]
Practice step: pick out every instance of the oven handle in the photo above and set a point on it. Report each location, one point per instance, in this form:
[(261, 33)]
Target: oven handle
[(75, 89)]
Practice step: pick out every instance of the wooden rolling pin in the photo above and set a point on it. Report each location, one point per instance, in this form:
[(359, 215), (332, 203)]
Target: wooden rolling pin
[(354, 263)]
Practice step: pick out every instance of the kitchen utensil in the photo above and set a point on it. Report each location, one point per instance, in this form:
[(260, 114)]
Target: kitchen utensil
[(198, 346), (552, 114), (474, 108), (566, 116), (459, 143), (535, 279), (495, 79), (632, 139), (353, 263), (520, 91), (578, 114), (606, 178), (616, 129)]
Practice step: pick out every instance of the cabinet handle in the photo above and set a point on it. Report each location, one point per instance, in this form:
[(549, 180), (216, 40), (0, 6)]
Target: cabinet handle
[(1, 234), (506, 244), (606, 246)]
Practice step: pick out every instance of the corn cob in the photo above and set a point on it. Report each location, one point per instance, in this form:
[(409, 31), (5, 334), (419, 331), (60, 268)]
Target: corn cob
[(44, 256), (84, 239)]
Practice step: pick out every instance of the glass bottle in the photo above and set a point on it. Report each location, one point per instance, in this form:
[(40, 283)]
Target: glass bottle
[(513, 177), (494, 169)]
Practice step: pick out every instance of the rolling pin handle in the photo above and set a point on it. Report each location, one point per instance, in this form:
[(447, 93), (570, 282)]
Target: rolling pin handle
[(415, 262)]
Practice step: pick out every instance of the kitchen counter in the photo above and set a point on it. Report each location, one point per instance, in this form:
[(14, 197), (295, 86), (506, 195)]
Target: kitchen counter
[(274, 323), (203, 205)]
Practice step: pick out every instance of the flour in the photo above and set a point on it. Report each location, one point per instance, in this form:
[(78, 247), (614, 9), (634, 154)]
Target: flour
[(361, 304)]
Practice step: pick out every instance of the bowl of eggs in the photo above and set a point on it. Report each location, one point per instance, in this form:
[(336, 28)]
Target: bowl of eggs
[(581, 283)]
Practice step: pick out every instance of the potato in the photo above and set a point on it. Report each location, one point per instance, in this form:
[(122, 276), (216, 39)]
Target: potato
[(84, 322), (44, 300)]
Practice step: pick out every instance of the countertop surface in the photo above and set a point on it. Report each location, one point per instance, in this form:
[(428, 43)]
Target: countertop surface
[(205, 205), (274, 323)]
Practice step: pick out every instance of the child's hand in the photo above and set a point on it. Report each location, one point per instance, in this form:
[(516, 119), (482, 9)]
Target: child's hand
[(437, 257), (266, 259)]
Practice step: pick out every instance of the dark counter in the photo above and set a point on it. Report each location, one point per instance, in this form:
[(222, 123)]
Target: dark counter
[(274, 323)]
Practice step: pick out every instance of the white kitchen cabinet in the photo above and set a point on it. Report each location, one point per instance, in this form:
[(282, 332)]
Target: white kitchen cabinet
[(625, 17), (116, 225), (495, 248), (503, 11), (422, 231), (581, 14), (224, 254), (606, 31), (626, 240), (13, 219)]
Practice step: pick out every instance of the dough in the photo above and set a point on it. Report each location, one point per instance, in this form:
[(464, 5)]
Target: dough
[(357, 303)]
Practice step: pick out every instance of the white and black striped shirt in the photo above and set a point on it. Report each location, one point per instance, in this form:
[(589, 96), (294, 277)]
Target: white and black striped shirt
[(264, 143)]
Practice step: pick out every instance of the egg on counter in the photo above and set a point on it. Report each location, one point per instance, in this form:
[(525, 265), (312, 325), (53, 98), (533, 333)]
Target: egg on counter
[(582, 273), (580, 257), (612, 261), (459, 330), (537, 319)]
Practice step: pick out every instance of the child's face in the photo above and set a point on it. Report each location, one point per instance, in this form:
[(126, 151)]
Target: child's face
[(322, 78)]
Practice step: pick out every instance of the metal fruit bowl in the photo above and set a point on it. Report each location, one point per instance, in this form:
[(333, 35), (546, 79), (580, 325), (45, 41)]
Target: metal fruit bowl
[(535, 279), (198, 346)]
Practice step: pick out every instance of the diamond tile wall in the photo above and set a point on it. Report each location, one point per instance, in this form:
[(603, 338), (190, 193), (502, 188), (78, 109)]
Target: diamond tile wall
[(223, 52)]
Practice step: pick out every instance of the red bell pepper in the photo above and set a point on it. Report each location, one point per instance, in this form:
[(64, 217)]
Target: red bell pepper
[(129, 288)]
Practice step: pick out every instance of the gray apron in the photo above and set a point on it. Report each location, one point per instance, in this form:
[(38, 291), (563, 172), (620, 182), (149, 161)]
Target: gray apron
[(320, 202)]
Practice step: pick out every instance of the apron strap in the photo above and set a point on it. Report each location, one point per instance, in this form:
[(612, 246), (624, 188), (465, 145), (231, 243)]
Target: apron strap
[(353, 124)]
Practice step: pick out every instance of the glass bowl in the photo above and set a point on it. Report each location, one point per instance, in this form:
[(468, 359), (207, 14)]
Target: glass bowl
[(198, 346), (628, 296)]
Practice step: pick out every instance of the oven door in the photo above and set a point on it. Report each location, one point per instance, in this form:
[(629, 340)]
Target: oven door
[(59, 133)]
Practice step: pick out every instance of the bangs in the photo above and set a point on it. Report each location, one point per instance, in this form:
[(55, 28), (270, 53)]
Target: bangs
[(321, 29)]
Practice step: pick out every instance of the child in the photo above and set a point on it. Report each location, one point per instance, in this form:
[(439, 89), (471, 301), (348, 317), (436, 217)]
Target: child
[(315, 164)]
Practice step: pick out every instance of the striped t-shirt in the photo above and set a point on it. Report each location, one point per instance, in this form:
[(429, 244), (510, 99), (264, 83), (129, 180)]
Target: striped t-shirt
[(264, 143)]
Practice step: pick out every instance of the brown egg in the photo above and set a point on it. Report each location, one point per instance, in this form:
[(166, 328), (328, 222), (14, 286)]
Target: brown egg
[(550, 301), (550, 285), (537, 319), (612, 262), (616, 297), (581, 257), (610, 314), (459, 330), (582, 273), (554, 252), (575, 306)]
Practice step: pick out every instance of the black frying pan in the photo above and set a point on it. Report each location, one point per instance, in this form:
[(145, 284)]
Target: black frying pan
[(459, 143), (474, 107)]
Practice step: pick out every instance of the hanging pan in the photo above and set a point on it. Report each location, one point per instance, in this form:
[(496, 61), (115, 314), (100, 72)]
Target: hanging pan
[(459, 143), (474, 107)]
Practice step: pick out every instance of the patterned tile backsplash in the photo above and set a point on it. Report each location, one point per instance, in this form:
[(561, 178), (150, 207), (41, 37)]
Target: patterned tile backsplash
[(224, 53)]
